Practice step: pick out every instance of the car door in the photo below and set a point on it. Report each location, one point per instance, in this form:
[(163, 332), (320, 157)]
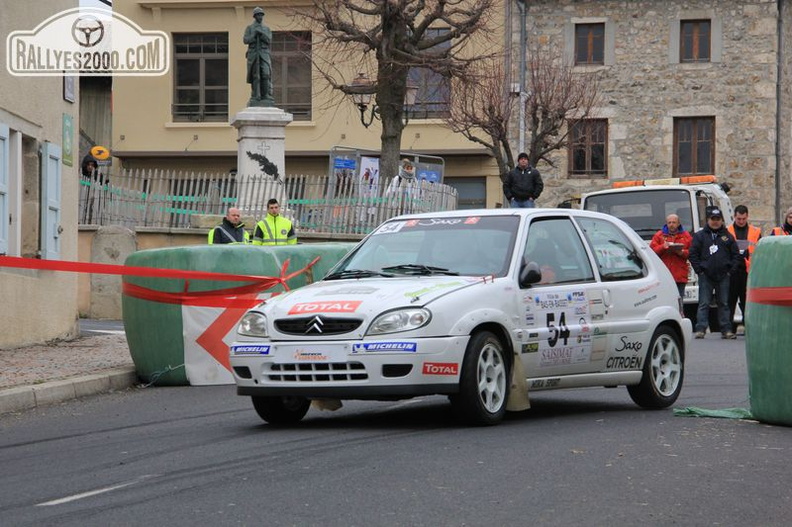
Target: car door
[(560, 311), (628, 292)]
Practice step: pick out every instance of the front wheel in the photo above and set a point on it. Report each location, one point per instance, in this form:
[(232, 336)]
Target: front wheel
[(281, 410), (484, 382), (663, 371)]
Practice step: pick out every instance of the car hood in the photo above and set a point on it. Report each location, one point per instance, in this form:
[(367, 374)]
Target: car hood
[(366, 297)]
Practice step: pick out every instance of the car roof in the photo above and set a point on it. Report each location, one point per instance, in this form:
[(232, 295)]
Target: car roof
[(537, 211), (650, 188)]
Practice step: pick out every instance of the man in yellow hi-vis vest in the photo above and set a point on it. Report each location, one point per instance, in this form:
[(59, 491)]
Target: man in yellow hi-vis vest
[(274, 229)]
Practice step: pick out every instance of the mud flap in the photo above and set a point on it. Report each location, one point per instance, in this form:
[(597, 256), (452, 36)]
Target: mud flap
[(518, 392), (331, 405)]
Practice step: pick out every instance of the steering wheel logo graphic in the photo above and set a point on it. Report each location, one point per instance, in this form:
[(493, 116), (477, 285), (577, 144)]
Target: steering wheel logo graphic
[(88, 31)]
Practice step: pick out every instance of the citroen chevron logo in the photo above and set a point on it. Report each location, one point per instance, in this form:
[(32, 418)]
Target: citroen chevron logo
[(315, 325)]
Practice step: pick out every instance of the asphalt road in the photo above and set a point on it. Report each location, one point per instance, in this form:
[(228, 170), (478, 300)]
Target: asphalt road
[(201, 456)]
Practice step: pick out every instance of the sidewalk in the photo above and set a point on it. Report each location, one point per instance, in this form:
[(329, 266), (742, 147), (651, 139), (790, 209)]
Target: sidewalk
[(96, 362)]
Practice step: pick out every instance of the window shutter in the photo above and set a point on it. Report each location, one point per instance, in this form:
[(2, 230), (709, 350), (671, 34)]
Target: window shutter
[(50, 201), (4, 203)]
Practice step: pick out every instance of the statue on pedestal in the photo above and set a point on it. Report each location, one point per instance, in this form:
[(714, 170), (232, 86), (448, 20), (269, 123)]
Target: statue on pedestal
[(258, 38)]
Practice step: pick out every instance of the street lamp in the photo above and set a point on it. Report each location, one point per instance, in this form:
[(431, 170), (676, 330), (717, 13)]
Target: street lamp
[(361, 88)]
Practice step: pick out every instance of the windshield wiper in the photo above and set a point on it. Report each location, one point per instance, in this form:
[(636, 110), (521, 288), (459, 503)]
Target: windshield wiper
[(420, 269), (355, 273)]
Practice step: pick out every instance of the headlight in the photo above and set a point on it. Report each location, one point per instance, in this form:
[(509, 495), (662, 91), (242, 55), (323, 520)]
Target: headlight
[(400, 320), (253, 324)]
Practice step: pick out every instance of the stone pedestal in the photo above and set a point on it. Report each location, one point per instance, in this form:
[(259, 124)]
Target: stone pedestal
[(261, 152)]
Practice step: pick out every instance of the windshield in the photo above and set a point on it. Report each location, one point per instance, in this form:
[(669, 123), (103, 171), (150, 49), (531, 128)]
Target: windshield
[(644, 211), (473, 246)]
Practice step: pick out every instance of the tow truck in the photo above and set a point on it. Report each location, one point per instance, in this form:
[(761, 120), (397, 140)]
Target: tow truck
[(644, 204)]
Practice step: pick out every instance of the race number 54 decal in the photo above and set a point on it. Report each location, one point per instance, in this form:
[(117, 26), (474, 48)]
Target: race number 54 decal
[(556, 332)]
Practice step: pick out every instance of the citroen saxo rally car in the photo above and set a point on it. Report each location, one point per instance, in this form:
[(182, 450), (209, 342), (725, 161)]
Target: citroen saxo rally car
[(484, 306)]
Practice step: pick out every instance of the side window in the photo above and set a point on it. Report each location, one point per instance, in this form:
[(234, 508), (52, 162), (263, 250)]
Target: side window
[(694, 41), (291, 67), (200, 77), (590, 43), (614, 253), (434, 90), (588, 148), (555, 245), (694, 146)]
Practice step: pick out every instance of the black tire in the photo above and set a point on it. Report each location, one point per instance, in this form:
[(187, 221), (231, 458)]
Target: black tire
[(281, 410), (663, 371), (484, 382)]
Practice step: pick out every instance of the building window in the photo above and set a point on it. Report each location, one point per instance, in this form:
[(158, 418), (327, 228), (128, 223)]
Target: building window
[(291, 72), (694, 41), (694, 148), (472, 191), (200, 77), (588, 148), (434, 90), (589, 44)]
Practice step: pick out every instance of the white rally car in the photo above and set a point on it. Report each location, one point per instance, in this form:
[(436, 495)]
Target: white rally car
[(484, 306)]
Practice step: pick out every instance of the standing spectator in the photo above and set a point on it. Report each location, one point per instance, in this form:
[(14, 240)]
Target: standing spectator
[(231, 230), (404, 189), (714, 257), (89, 167), (523, 184), (672, 245), (786, 228), (747, 237), (274, 229)]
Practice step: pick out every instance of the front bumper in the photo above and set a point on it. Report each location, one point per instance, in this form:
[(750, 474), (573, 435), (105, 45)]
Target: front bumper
[(365, 369)]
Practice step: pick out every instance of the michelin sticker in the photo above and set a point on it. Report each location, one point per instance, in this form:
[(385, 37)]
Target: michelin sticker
[(250, 350), (566, 334), (410, 347)]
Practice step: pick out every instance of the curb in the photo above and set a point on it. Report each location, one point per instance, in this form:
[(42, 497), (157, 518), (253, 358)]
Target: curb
[(19, 398)]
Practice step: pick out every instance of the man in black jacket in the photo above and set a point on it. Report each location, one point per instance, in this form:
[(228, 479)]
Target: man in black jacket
[(231, 230), (523, 184), (714, 256)]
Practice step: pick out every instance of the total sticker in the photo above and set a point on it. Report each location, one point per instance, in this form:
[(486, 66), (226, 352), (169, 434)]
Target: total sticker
[(440, 368)]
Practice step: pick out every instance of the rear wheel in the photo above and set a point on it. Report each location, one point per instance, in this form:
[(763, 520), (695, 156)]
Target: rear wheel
[(663, 371), (281, 410), (484, 383)]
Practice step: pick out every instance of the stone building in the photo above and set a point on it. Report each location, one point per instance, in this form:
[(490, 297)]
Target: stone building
[(688, 87), (39, 162)]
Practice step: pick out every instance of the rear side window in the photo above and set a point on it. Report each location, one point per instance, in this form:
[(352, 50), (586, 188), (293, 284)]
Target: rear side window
[(555, 245), (616, 256)]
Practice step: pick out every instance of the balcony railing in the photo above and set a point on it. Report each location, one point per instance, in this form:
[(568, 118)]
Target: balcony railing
[(317, 204)]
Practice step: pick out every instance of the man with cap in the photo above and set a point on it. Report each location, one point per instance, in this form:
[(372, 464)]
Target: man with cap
[(523, 184), (258, 38), (714, 256)]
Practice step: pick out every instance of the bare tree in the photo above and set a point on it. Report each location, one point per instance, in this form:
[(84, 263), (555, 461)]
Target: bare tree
[(390, 38), (482, 108)]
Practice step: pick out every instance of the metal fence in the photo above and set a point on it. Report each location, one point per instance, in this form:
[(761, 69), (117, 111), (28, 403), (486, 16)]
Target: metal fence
[(316, 204)]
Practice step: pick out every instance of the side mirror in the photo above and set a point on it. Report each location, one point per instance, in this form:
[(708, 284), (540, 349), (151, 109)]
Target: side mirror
[(530, 273)]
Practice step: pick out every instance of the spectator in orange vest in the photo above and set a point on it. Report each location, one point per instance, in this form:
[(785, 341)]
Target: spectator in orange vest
[(786, 228), (747, 237), (672, 245)]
